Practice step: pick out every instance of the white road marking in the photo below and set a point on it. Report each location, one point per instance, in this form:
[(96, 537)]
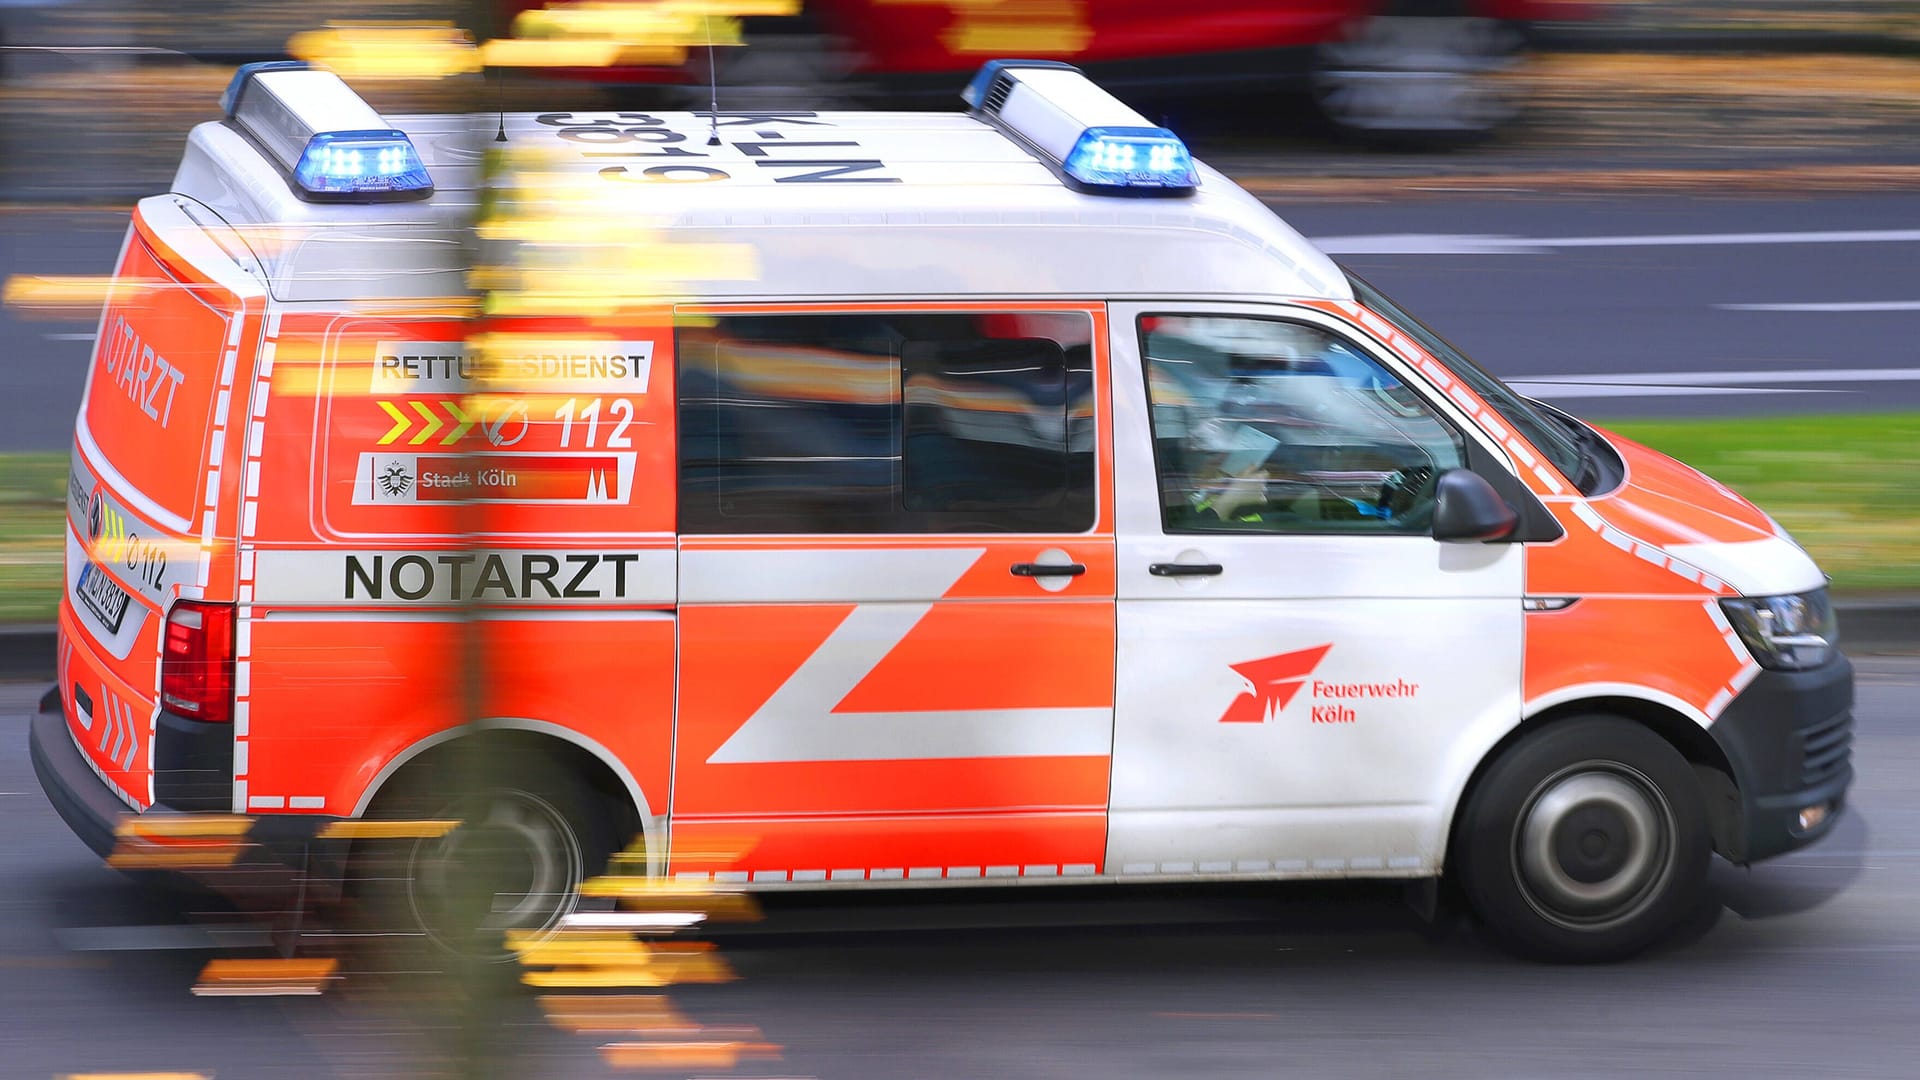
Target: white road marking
[(68, 337), (1862, 305), (1702, 383), (1560, 390), (1736, 378), (1488, 244)]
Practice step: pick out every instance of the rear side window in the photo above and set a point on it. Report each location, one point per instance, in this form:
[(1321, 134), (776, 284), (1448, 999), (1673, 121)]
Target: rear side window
[(888, 423)]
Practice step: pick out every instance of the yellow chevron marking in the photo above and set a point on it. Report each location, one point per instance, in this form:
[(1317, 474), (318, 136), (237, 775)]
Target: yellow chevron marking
[(434, 423), (400, 422), (464, 421)]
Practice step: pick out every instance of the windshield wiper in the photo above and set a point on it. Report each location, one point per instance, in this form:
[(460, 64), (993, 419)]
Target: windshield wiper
[(1584, 440)]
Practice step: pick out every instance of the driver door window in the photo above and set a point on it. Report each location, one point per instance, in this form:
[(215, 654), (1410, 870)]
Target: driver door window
[(1262, 425)]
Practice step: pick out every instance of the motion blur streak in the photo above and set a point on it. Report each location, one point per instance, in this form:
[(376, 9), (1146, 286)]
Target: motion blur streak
[(609, 32), (364, 829), (582, 959), (265, 978), (684, 1055), (614, 1012), (52, 296), (136, 1076), (179, 842), (389, 52)]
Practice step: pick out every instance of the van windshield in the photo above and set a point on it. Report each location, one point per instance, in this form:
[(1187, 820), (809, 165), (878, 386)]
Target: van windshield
[(1543, 430)]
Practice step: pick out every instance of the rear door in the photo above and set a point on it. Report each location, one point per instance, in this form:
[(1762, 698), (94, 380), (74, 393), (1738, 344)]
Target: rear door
[(896, 585), (1302, 668), (154, 487)]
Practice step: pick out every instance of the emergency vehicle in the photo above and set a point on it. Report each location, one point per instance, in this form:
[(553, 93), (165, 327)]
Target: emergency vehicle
[(1040, 509)]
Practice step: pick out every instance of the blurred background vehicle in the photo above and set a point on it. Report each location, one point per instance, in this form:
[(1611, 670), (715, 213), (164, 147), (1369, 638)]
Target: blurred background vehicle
[(1702, 228), (1404, 71)]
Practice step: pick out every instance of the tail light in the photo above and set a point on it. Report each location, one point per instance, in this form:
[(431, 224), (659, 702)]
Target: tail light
[(196, 662)]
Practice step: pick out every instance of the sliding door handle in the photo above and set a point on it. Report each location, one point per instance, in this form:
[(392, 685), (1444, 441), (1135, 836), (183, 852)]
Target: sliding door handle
[(1040, 569), (1185, 569)]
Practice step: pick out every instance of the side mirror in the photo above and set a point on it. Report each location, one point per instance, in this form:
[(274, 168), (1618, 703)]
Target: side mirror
[(1467, 510)]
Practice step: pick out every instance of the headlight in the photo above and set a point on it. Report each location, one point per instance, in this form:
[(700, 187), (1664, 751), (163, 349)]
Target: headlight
[(1787, 633)]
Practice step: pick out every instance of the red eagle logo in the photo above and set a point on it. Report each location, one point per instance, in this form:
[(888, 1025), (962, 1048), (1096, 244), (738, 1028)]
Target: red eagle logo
[(1271, 682)]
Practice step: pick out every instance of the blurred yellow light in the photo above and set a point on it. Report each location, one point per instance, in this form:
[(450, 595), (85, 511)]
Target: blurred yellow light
[(684, 1055), (162, 826), (135, 1076), (207, 857), (613, 1012), (60, 296), (526, 52), (381, 51), (264, 977), (387, 830)]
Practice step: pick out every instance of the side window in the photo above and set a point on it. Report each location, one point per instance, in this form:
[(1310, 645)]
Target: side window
[(887, 423), (1270, 426)]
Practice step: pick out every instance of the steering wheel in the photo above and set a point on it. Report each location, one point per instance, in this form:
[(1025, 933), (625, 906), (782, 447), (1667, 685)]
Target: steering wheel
[(1406, 489)]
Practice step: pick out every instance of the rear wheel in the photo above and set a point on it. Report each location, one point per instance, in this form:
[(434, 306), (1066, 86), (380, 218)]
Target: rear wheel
[(528, 837), (1586, 841)]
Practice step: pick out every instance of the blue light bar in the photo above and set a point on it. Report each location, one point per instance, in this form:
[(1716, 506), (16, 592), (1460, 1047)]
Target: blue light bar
[(230, 98), (976, 91), (1139, 159), (362, 166)]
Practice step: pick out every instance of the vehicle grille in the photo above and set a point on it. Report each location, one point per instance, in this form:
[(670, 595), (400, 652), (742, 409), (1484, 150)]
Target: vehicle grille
[(1824, 748)]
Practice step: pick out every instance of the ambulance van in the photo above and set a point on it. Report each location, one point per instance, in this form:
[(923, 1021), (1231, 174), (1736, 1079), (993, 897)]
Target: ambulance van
[(1021, 503)]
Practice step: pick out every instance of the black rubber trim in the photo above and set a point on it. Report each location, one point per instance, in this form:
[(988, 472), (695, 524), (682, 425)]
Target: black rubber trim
[(1537, 525), (78, 796), (192, 764), (1762, 734)]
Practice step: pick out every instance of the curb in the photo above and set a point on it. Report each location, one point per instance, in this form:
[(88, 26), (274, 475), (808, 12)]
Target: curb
[(1868, 624)]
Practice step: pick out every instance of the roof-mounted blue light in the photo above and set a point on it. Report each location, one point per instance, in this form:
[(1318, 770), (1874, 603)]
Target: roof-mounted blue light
[(1089, 138), (362, 166), (230, 98), (1131, 159)]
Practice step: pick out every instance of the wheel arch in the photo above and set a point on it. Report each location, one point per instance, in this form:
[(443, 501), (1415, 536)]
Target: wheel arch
[(1686, 734), (602, 769)]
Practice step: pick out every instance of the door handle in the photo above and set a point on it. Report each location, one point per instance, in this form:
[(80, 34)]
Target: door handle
[(1185, 569), (1035, 569)]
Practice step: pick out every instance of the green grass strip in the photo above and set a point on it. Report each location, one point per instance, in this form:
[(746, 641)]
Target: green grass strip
[(1847, 487), (33, 506)]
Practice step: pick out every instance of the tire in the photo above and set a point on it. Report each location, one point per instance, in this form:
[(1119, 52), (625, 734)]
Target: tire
[(1427, 82), (529, 837), (1587, 841)]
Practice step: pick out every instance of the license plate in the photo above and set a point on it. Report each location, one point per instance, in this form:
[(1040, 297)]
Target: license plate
[(102, 596)]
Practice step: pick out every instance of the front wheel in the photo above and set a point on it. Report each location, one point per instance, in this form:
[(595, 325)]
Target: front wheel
[(1585, 841)]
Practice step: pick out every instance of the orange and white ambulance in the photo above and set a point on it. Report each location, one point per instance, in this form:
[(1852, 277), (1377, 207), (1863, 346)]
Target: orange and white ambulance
[(1039, 509)]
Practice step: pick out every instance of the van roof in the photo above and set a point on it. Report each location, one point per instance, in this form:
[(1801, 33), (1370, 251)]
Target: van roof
[(867, 204)]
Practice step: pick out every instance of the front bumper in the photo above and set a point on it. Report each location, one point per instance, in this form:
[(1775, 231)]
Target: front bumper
[(80, 797), (1788, 738)]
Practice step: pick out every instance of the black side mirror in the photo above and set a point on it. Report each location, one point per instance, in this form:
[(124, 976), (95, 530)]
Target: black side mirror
[(1467, 510)]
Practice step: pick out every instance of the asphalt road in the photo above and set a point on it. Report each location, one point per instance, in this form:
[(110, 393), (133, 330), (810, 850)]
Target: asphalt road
[(1806, 970), (1630, 306)]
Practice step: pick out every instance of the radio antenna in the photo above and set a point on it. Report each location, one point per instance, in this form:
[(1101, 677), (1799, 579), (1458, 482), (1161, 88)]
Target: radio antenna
[(713, 89), (492, 75)]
